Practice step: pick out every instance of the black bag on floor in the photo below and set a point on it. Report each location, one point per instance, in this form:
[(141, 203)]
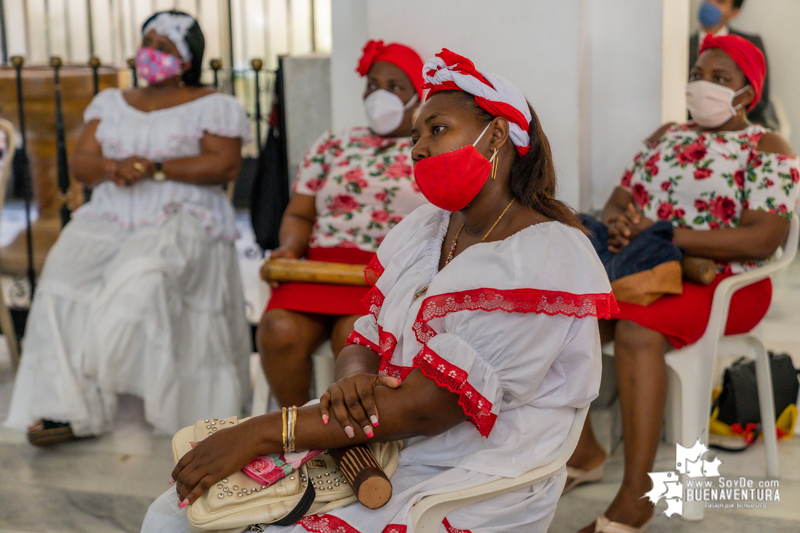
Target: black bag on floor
[(737, 405)]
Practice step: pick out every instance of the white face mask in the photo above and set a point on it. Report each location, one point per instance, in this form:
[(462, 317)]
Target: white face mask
[(385, 111), (711, 104)]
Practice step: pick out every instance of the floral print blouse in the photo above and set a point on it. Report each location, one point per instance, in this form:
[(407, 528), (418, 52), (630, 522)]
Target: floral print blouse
[(363, 184), (703, 180)]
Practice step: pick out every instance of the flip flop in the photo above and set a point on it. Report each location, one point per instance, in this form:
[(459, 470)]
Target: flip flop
[(577, 476), (604, 525), (47, 433)]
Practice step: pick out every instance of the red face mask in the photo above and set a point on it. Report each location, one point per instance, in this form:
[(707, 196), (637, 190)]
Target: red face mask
[(452, 180)]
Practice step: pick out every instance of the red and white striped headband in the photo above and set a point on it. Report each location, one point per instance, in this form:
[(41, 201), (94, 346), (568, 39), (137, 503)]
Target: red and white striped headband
[(449, 71)]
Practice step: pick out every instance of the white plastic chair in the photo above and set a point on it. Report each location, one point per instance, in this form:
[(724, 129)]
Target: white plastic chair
[(693, 365), (6, 323), (428, 513)]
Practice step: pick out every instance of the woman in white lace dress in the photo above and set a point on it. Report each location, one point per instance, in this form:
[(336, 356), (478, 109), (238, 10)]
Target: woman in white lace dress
[(482, 338), (141, 293)]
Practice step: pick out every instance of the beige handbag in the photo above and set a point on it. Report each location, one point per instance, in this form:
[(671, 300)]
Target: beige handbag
[(239, 501)]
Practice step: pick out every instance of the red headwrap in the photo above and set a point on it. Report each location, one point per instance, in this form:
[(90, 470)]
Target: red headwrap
[(498, 96), (399, 55), (746, 55)]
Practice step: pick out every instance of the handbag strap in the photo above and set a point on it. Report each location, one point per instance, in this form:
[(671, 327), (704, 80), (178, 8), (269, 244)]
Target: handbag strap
[(300, 509)]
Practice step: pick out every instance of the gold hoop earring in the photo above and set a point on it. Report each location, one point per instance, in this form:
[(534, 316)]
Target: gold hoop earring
[(495, 164)]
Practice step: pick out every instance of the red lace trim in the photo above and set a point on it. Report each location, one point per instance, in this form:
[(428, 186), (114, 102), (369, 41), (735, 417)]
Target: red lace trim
[(326, 524), (446, 374), (512, 301), (359, 339), (451, 529), (333, 524), (373, 301), (373, 270), (386, 368)]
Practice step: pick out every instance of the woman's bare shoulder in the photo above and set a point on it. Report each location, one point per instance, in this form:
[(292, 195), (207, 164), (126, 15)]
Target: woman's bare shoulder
[(773, 143)]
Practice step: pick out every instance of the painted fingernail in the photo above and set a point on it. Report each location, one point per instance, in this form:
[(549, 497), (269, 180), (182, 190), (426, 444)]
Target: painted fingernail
[(368, 432), (171, 481), (374, 420), (324, 419), (184, 503), (349, 431)]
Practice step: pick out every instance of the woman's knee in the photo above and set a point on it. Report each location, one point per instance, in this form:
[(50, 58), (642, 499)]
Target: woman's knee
[(276, 330), (632, 338), (280, 329)]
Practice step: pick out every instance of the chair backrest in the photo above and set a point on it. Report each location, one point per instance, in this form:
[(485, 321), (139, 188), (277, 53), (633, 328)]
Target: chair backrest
[(427, 515), (8, 145)]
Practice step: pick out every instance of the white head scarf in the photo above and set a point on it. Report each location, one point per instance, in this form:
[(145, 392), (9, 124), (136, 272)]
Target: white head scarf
[(174, 27), (498, 96)]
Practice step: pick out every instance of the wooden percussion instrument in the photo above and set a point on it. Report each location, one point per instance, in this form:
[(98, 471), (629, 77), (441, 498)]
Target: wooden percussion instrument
[(698, 269), (362, 471), (285, 270)]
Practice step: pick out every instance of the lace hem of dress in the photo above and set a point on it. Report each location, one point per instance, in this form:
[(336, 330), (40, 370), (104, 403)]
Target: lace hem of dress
[(373, 270), (360, 340), (373, 301), (454, 379), (512, 301), (333, 524)]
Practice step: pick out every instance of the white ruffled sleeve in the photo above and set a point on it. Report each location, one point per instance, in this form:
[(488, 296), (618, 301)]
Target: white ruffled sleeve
[(365, 333), (526, 358), (225, 116), (101, 105)]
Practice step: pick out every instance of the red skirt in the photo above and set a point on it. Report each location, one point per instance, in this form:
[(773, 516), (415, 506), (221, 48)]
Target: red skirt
[(683, 318), (324, 298)]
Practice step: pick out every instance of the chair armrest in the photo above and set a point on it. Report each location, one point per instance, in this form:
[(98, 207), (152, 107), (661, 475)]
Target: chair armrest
[(435, 507), (724, 291)]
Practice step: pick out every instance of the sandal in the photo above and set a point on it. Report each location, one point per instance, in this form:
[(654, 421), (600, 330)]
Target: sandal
[(577, 476), (604, 525), (47, 432)]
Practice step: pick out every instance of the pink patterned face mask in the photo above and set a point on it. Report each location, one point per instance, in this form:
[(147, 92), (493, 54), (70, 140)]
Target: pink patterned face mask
[(156, 66)]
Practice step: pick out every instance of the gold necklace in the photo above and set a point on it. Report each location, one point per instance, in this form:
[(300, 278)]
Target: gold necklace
[(453, 246)]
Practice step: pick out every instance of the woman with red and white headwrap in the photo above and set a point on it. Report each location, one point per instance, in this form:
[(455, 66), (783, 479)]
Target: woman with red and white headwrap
[(352, 187), (482, 338), (729, 189)]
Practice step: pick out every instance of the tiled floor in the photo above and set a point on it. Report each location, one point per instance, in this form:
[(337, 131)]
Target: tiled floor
[(105, 485)]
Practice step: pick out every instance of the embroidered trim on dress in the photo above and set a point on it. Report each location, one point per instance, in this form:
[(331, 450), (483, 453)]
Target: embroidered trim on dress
[(357, 338), (333, 524), (373, 301), (373, 271), (512, 301), (448, 375)]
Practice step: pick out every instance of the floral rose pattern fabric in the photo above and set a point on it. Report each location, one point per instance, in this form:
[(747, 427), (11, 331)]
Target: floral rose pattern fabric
[(703, 180), (363, 185)]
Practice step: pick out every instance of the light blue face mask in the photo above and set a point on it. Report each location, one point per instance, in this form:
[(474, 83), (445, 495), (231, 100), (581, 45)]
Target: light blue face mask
[(709, 14)]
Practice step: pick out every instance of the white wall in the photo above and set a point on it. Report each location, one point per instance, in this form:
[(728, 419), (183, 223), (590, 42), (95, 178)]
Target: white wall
[(626, 82), (778, 23), (590, 68), (533, 44)]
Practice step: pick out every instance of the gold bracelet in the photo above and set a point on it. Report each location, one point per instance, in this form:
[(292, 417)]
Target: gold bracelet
[(292, 441), (283, 418)]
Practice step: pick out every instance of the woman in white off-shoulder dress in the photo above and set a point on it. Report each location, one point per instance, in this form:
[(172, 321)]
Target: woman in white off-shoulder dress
[(141, 294), (482, 338)]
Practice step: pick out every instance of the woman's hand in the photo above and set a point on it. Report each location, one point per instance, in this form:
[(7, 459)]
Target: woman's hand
[(282, 252), (220, 455), (132, 170), (353, 402), (626, 227)]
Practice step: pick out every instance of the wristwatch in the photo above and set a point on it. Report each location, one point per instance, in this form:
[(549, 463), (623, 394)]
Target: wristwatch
[(159, 175)]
